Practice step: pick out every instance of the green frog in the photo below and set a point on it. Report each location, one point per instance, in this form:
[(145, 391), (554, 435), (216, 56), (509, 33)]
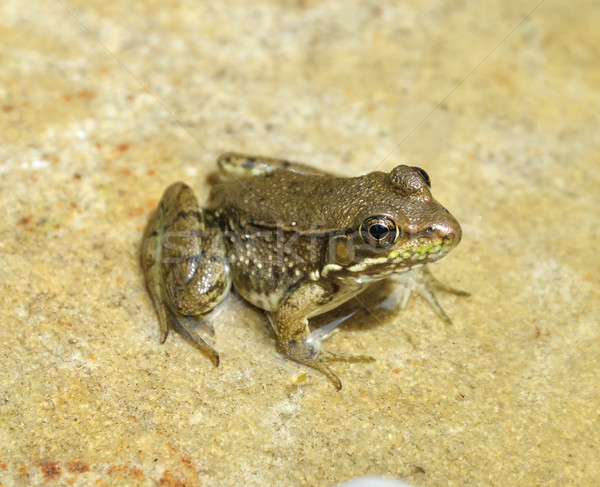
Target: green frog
[(296, 242)]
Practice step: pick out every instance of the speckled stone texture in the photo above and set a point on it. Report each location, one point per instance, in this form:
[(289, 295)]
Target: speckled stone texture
[(104, 103)]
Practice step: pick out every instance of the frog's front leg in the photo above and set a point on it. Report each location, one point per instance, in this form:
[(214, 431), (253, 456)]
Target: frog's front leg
[(183, 259), (294, 337)]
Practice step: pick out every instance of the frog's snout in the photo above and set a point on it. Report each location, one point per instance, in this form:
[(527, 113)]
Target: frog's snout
[(448, 230)]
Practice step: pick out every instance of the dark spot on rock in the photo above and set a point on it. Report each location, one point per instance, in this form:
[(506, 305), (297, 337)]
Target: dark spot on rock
[(78, 467), (51, 470), (26, 220)]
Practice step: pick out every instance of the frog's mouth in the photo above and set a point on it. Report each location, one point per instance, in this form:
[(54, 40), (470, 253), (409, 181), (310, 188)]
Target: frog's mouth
[(371, 265)]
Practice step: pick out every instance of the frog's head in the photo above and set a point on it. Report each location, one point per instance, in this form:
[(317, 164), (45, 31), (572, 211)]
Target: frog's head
[(400, 227)]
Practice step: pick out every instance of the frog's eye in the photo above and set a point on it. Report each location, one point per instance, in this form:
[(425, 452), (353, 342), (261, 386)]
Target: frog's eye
[(424, 175), (379, 231)]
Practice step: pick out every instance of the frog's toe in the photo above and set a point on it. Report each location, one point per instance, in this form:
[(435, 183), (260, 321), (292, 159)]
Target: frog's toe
[(432, 284), (428, 295), (308, 354), (325, 356), (163, 335), (420, 281), (337, 383), (165, 318), (322, 367), (186, 328), (328, 356)]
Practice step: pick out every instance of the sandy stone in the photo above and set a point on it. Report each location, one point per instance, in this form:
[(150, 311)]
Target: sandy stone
[(103, 104)]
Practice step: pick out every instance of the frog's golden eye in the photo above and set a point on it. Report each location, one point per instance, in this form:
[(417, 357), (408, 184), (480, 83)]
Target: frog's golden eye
[(425, 176), (379, 231)]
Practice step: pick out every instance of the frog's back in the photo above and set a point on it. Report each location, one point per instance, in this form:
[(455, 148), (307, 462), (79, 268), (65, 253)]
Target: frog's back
[(289, 199)]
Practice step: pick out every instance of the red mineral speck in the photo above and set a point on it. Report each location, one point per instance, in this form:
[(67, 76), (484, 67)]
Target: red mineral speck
[(78, 467), (51, 470), (26, 220)]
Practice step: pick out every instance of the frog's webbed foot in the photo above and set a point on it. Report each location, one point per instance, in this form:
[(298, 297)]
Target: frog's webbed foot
[(186, 327), (308, 352), (322, 367), (325, 356), (422, 282)]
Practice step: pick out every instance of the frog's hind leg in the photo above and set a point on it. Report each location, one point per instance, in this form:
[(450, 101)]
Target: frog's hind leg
[(184, 262), (150, 255), (245, 166)]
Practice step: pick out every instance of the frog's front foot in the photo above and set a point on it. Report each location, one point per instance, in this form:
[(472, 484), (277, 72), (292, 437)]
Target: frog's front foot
[(308, 352), (422, 282)]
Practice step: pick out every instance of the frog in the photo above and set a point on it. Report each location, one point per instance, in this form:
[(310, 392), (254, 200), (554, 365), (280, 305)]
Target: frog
[(296, 242)]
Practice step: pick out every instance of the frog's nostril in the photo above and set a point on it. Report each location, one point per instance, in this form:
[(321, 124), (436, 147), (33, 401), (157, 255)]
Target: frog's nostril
[(449, 229)]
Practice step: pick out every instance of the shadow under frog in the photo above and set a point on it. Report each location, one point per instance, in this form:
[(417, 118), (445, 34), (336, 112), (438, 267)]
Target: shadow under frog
[(298, 243)]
